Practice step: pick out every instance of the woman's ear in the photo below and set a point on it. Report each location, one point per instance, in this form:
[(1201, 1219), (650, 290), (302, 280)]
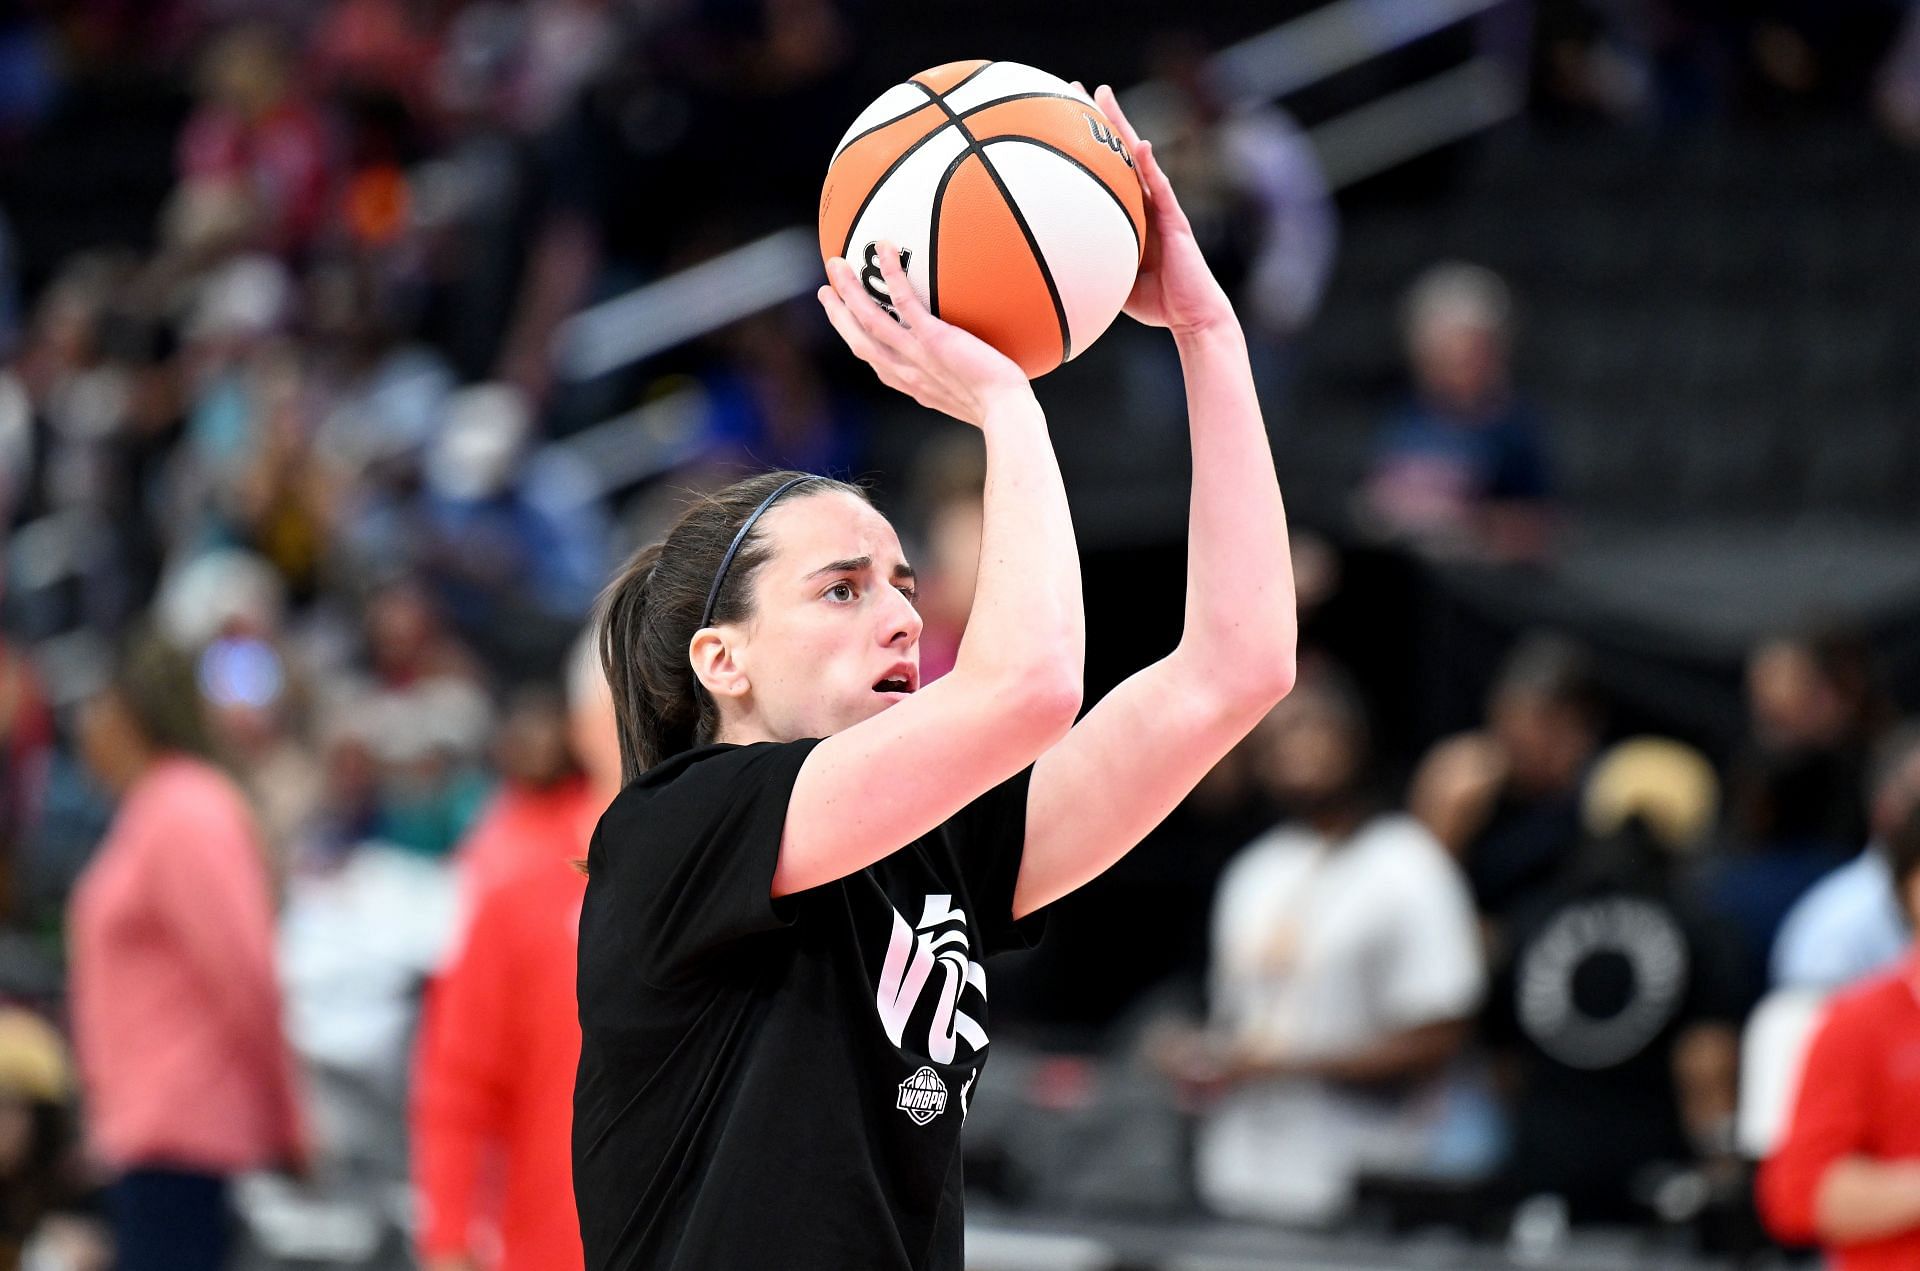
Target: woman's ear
[(715, 665)]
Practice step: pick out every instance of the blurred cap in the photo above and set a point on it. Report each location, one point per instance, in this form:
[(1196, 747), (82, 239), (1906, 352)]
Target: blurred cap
[(218, 592), (457, 714), (1669, 786), (480, 442), (33, 1058), (248, 296)]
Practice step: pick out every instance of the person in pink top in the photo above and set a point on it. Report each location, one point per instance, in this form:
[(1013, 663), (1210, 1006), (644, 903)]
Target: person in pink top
[(187, 1075)]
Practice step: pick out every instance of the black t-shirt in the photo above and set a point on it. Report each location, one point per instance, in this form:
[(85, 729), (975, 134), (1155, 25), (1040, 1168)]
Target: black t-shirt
[(1606, 976), (780, 1083)]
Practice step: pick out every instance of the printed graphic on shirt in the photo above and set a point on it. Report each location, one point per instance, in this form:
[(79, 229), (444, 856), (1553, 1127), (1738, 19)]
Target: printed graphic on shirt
[(966, 1088), (923, 1096), (938, 940), (1602, 981)]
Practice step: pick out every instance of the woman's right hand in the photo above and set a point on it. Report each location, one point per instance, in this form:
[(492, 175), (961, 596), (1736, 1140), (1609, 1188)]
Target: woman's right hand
[(936, 363)]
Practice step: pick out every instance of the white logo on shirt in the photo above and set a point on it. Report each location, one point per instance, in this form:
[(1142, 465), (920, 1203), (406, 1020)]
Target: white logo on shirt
[(939, 939), (1652, 952), (923, 1096)]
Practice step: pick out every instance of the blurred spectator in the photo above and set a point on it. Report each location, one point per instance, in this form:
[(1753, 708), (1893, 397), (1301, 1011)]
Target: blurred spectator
[(407, 641), (1851, 923), (1799, 802), (1252, 185), (1619, 1007), (1345, 970), (541, 797), (256, 144), (1846, 1176), (40, 1173), (430, 742), (659, 99), (92, 464), (493, 1088), (175, 1000), (515, 560), (771, 406), (367, 47), (228, 608), (1814, 711), (1461, 470), (26, 750), (1505, 799)]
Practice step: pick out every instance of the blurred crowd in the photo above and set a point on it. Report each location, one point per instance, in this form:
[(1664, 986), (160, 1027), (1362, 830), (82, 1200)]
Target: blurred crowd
[(298, 739)]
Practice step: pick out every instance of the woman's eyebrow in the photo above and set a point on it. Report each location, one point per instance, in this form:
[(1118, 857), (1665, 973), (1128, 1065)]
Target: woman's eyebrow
[(851, 565), (860, 564)]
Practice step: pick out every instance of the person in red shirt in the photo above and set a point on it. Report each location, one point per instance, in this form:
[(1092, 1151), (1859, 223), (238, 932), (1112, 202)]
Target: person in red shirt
[(1846, 1175), (493, 1086)]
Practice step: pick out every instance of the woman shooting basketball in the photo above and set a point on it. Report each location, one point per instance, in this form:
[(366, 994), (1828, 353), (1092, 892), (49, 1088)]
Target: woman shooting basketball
[(783, 1010)]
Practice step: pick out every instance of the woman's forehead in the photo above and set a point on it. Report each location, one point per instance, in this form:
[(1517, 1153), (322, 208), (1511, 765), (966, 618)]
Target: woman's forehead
[(832, 525)]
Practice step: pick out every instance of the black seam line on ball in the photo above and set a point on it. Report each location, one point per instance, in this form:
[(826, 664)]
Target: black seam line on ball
[(968, 78), (864, 133), (906, 154), (933, 231), (914, 83), (1006, 195), (1097, 179), (847, 245)]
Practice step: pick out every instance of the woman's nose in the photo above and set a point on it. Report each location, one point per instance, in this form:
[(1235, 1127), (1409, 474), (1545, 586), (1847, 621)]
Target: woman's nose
[(903, 621)]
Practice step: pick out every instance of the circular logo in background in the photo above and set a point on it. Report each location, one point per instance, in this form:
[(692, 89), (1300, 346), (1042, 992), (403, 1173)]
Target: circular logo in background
[(1601, 981)]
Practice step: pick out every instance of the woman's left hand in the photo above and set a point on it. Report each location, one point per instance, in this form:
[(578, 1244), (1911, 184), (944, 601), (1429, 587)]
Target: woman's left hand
[(1175, 288)]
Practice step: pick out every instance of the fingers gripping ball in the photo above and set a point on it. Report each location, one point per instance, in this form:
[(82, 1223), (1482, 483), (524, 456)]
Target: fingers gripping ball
[(1013, 199)]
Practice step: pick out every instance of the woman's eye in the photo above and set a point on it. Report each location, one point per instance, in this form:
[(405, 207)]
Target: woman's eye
[(841, 591), (912, 595)]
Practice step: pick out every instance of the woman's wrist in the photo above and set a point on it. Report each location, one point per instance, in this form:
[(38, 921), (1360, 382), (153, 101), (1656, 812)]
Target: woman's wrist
[(1209, 326), (1011, 406)]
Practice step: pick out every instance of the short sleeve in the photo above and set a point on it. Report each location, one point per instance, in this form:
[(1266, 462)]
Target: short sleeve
[(1844, 930), (1435, 970), (988, 837), (1813, 949), (683, 861)]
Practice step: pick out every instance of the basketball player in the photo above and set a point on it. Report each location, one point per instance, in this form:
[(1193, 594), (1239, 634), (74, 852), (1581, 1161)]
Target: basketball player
[(783, 1011)]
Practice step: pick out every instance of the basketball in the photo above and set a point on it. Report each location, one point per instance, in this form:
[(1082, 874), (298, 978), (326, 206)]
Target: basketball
[(1011, 197)]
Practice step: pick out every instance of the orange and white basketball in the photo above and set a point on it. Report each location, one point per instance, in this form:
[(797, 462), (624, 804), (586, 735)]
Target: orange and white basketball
[(1012, 198)]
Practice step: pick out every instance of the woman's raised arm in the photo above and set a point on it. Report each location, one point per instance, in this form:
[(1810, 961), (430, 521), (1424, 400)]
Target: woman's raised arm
[(1015, 686), (1148, 743)]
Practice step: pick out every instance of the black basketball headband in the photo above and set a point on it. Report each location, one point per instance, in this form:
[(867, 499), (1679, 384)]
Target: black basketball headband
[(733, 548)]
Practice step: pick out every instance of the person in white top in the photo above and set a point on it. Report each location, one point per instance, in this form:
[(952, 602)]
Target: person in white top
[(1346, 968)]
